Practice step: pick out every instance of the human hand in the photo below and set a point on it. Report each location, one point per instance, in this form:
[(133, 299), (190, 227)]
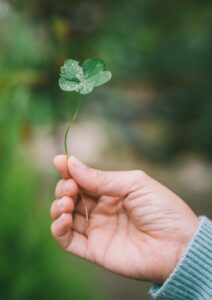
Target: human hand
[(137, 227)]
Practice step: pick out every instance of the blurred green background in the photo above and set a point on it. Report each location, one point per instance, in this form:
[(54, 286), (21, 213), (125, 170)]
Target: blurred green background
[(155, 114)]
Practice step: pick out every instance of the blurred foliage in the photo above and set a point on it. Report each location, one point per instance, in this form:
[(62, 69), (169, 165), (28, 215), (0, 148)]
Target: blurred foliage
[(161, 46), (166, 46)]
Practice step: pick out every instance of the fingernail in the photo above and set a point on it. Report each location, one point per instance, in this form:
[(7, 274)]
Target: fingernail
[(77, 163), (67, 187), (62, 202)]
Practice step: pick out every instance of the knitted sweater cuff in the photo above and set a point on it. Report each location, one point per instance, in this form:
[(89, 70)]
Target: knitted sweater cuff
[(192, 277)]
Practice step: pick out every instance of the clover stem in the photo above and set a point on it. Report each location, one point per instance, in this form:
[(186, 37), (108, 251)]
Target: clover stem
[(85, 207), (70, 126), (66, 150)]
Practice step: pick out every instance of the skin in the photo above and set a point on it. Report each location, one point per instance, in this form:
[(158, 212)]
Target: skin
[(137, 227)]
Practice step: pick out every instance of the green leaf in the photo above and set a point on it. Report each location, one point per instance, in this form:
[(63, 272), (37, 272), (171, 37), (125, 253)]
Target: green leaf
[(67, 85), (100, 78), (93, 66), (83, 80), (71, 70)]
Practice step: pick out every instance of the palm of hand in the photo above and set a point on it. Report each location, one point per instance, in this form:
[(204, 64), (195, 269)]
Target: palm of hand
[(119, 238)]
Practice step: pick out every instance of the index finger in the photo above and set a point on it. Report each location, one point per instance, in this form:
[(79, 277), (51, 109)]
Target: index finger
[(61, 164)]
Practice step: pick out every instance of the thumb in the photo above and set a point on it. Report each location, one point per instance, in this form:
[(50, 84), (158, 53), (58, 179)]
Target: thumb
[(97, 182)]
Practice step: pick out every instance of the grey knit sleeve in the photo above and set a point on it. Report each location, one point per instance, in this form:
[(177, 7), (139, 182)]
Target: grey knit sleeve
[(192, 277)]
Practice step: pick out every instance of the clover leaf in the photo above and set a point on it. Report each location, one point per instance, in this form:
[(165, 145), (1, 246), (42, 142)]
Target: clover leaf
[(93, 66), (83, 79)]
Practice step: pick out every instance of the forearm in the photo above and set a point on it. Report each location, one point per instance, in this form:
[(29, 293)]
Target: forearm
[(192, 277)]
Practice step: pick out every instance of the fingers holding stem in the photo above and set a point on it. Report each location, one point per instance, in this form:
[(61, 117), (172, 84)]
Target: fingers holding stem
[(68, 189)]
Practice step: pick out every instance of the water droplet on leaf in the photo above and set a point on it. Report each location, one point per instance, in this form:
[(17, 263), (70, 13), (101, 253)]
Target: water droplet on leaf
[(71, 70)]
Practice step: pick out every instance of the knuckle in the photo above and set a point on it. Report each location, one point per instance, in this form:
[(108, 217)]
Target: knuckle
[(97, 174), (138, 178), (102, 176), (97, 177), (139, 175)]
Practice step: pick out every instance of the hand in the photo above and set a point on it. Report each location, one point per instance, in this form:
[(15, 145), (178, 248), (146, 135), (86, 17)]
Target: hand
[(137, 227)]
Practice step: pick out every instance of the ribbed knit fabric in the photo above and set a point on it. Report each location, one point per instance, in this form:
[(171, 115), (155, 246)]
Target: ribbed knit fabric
[(192, 277)]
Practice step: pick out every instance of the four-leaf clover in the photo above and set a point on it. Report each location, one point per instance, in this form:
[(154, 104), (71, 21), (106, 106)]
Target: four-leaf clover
[(83, 79)]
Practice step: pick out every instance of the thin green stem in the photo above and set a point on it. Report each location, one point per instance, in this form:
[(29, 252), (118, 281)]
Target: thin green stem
[(66, 150), (70, 126)]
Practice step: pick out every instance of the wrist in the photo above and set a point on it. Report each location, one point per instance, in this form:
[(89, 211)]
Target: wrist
[(180, 245), (189, 232), (191, 278)]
